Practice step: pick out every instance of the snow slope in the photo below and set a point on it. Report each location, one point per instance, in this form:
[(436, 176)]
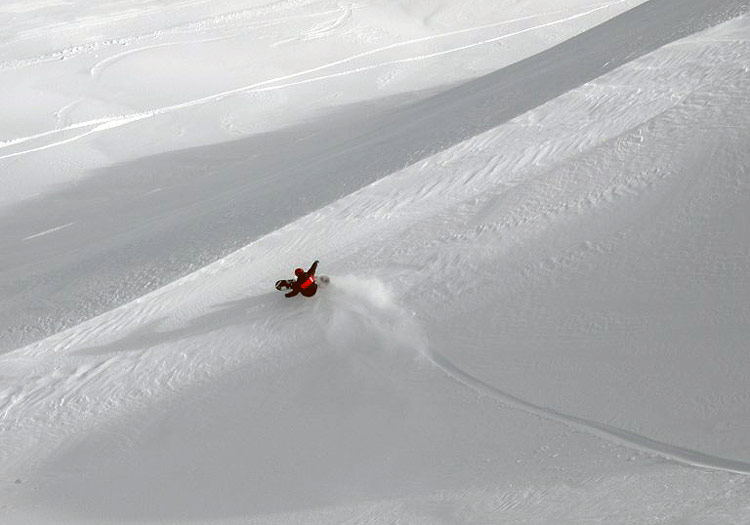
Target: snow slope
[(79, 116), (127, 229), (181, 74), (543, 323)]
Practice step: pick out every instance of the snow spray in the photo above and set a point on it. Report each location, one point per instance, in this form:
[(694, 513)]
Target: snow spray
[(365, 315)]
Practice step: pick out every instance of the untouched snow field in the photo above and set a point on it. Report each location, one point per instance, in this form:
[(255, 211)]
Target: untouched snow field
[(545, 321)]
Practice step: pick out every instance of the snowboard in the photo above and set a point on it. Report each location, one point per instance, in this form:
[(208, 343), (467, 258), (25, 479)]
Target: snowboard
[(286, 284)]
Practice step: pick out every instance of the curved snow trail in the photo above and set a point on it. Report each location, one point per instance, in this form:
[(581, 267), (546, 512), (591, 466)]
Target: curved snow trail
[(321, 30), (187, 28), (102, 124), (96, 70), (427, 56), (376, 301), (106, 123), (626, 438)]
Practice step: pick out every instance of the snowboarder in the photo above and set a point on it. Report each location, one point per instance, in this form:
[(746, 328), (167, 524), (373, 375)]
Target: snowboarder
[(305, 283)]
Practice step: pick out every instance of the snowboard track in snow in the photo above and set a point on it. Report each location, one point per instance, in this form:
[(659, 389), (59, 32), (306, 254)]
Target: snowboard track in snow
[(618, 436), (380, 304)]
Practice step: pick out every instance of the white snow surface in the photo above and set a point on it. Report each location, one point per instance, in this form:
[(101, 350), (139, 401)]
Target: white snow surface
[(201, 72), (546, 322)]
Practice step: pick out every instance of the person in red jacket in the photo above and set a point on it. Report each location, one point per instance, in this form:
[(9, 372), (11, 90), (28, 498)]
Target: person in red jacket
[(305, 282)]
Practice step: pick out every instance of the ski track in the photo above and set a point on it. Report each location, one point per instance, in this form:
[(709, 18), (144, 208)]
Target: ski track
[(187, 28), (321, 30), (426, 56), (618, 436), (51, 230), (98, 68), (107, 123)]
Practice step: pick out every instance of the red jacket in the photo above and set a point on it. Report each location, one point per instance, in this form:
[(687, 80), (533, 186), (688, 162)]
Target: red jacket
[(305, 283)]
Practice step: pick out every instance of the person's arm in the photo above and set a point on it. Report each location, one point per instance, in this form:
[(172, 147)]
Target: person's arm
[(312, 269), (294, 292)]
